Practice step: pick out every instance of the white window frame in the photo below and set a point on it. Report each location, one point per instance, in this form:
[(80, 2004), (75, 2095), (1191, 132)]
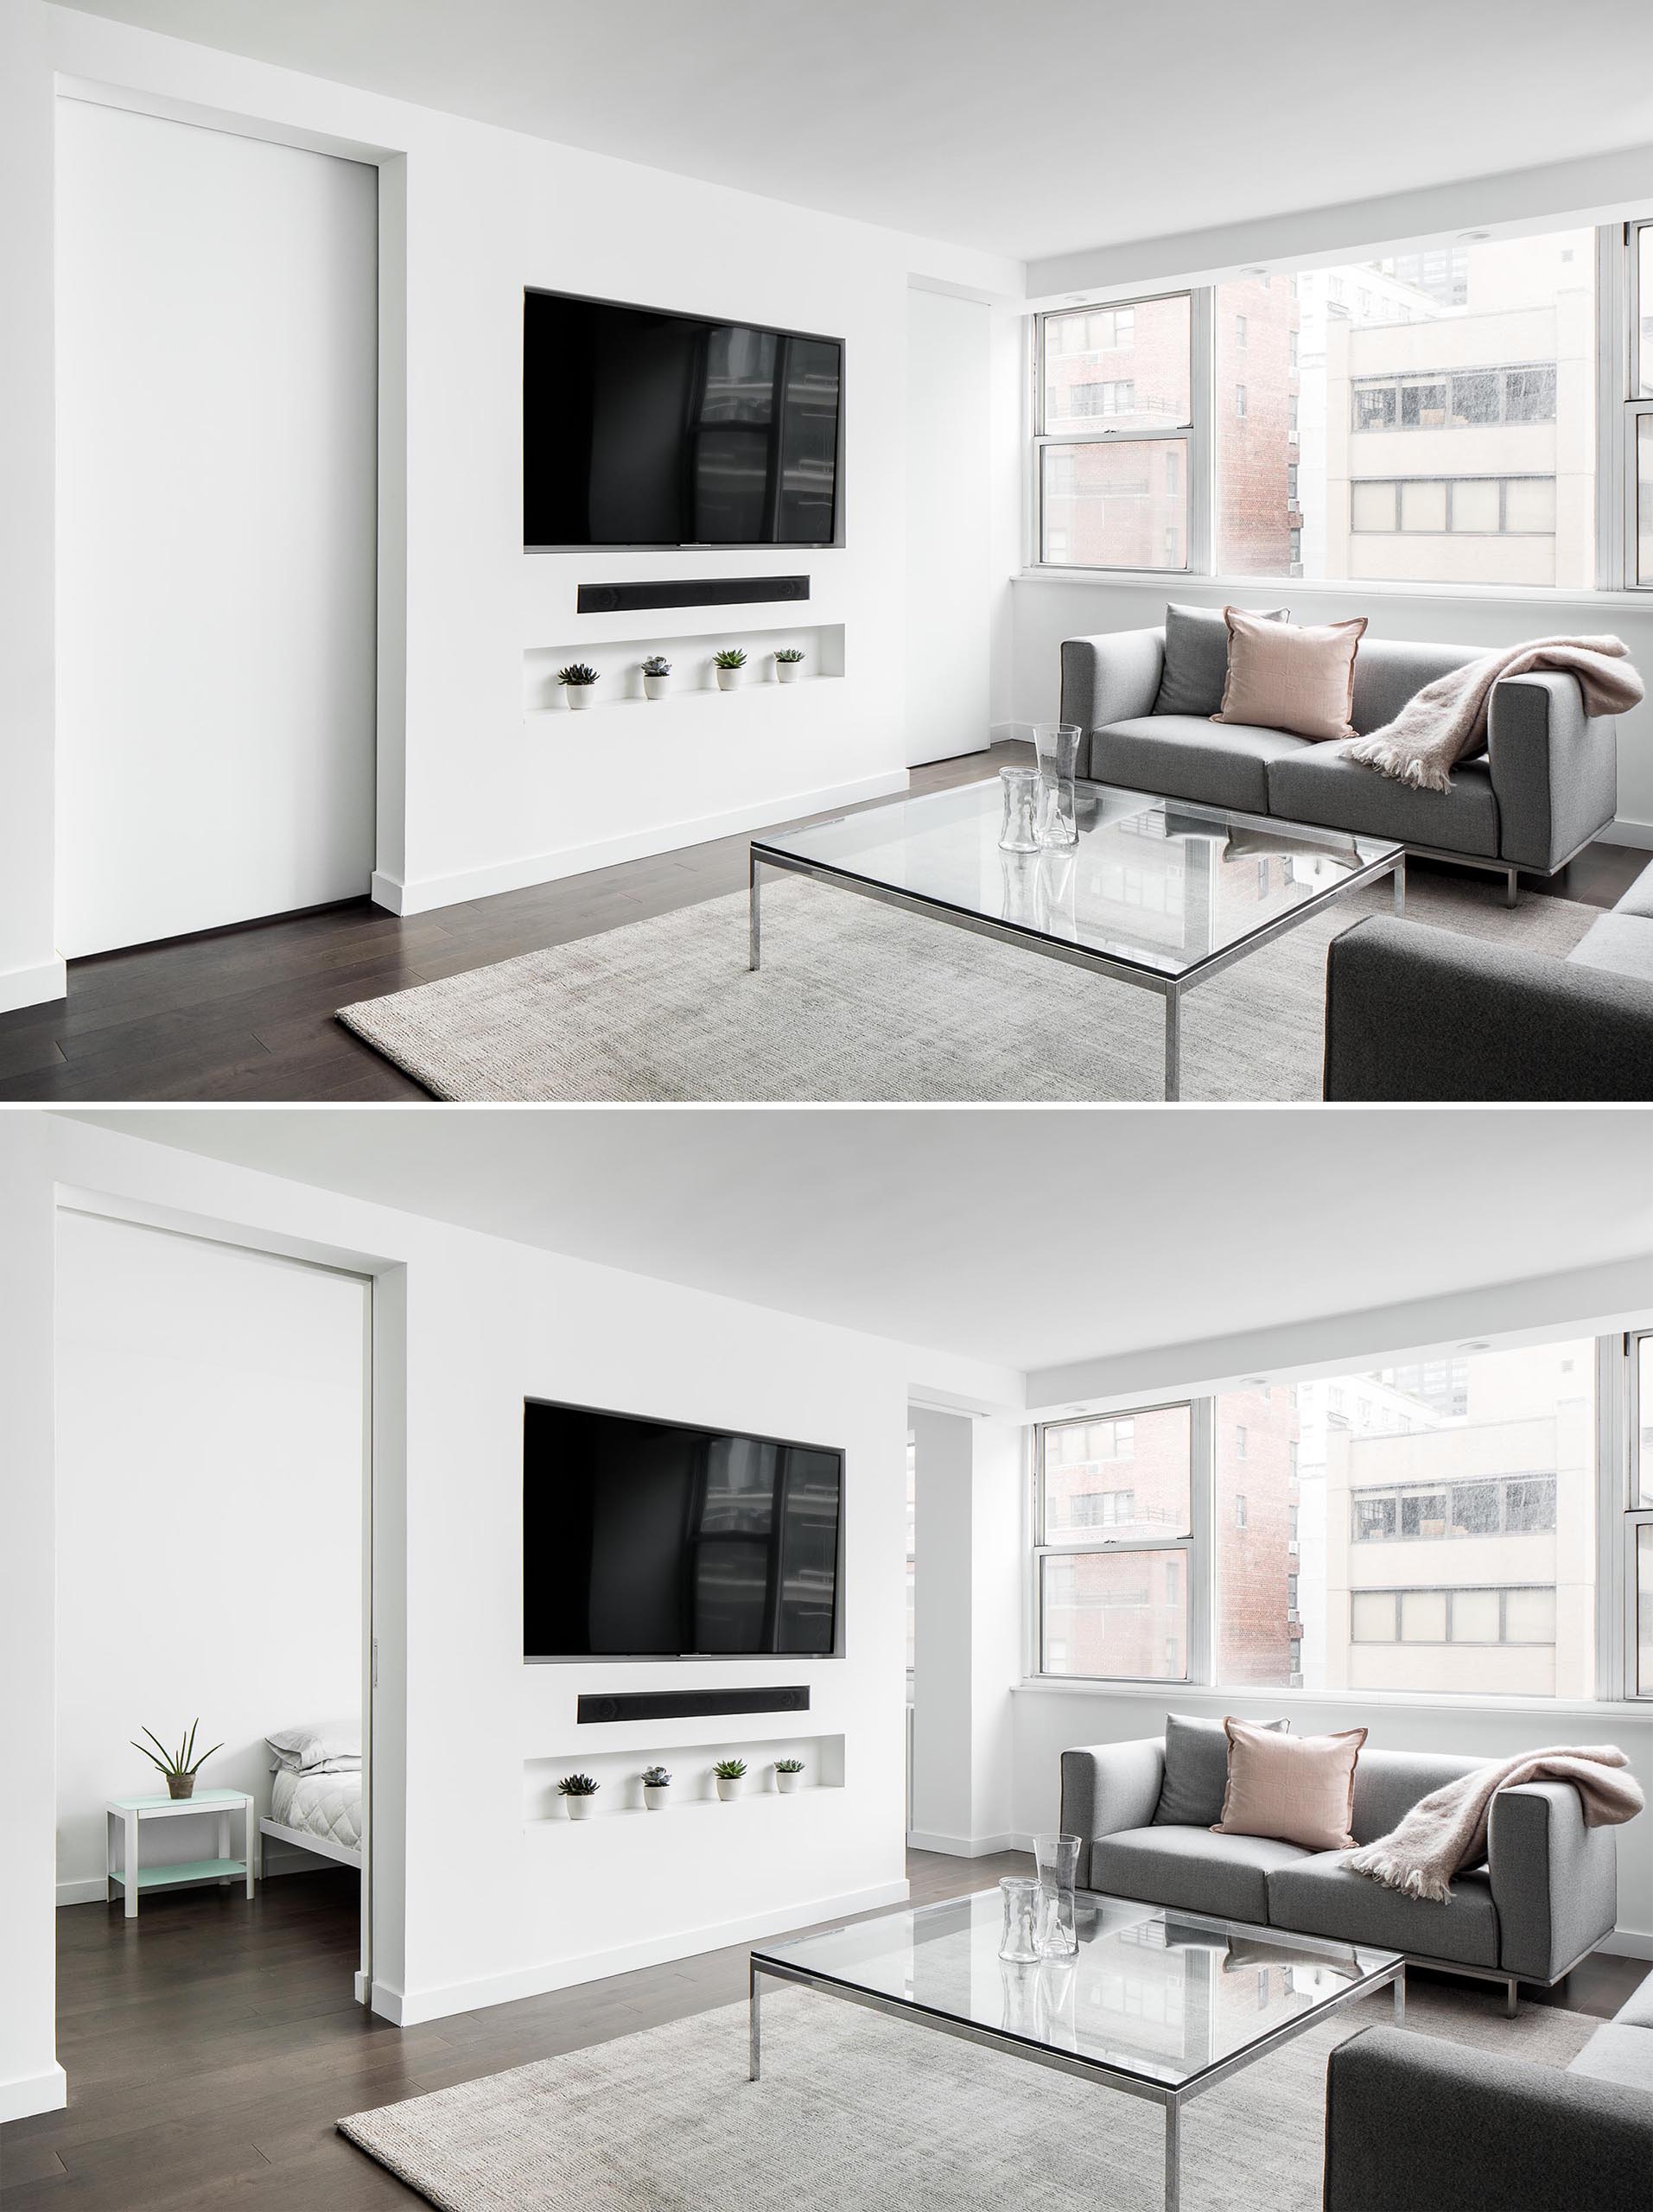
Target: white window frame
[(1618, 408), (1619, 1516)]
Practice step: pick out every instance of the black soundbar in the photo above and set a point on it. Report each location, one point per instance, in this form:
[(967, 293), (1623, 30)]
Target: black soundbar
[(674, 1705), (705, 591)]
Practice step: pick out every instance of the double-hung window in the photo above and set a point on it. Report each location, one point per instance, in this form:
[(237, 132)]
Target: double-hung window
[(1639, 412), (1112, 1564), (1115, 419)]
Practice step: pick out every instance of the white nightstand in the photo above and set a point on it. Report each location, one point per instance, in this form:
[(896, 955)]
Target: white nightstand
[(133, 1876)]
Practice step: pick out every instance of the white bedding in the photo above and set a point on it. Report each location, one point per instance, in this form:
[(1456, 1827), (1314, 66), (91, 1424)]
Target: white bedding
[(328, 1805)]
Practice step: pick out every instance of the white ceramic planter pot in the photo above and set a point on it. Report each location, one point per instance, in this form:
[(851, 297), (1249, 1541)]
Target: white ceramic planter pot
[(656, 687), (579, 696), (728, 1789), (788, 671), (728, 679), (787, 1783), (579, 1807), (657, 1795)]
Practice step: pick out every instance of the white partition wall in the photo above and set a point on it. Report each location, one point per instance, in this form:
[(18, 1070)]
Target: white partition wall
[(217, 406)]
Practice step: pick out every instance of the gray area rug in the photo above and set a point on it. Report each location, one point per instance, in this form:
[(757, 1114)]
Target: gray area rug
[(856, 2112), (861, 1002)]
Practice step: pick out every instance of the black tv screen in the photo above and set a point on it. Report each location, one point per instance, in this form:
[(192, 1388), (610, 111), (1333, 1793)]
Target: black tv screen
[(643, 1540), (640, 428)]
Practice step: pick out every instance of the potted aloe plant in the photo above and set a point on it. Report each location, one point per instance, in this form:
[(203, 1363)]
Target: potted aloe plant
[(576, 1791), (731, 1778), (728, 663), (789, 665), (180, 1767), (579, 683), (657, 1789), (657, 677), (787, 1774)]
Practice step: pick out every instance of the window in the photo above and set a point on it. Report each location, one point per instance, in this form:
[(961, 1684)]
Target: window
[(1463, 399), (1239, 1505), (1112, 488), (1291, 484), (1239, 1442), (1112, 1563), (912, 1552), (1115, 395), (1239, 330), (1477, 505), (1475, 1616), (1522, 1505), (1239, 399)]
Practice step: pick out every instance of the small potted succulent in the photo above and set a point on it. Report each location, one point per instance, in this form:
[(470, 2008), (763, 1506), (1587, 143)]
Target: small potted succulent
[(576, 1791), (731, 1778), (657, 1789), (787, 1772), (179, 1767), (579, 683), (728, 664), (657, 677), (789, 664)]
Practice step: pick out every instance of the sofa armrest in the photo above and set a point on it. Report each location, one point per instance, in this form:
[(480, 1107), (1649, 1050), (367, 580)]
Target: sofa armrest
[(1413, 1012), (1554, 769), (1107, 1787), (1555, 1881), (1411, 2119), (1109, 679)]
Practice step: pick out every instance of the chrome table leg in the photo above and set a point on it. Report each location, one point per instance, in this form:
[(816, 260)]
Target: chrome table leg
[(1173, 1042), (1172, 2119), (1400, 1997), (754, 923), (1400, 885), (753, 2002)]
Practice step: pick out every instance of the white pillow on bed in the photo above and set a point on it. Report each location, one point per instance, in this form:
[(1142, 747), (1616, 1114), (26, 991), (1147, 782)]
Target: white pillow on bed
[(318, 1746)]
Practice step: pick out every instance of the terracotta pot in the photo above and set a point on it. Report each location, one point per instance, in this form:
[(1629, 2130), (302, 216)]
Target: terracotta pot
[(180, 1785)]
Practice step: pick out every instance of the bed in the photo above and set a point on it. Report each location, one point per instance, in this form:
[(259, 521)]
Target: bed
[(316, 1804)]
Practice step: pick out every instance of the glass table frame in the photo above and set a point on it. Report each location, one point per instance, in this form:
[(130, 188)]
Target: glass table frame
[(1376, 1968), (1384, 858)]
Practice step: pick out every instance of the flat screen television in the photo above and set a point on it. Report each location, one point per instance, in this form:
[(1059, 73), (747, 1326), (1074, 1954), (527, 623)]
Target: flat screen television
[(649, 1540), (640, 428)]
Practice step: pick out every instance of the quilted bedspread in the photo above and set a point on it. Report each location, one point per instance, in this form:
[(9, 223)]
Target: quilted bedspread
[(328, 1805)]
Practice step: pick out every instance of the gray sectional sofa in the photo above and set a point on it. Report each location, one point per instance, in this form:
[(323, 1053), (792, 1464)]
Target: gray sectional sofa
[(1546, 1895), (1413, 1012), (1485, 2133), (1546, 784)]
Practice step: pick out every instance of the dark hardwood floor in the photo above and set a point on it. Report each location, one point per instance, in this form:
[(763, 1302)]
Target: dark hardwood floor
[(211, 2044), (248, 1013)]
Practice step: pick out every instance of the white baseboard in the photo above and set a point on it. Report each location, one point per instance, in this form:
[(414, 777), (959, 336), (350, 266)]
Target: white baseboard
[(407, 2008), (950, 749), (965, 1847), (34, 986), (92, 1890), (427, 893), (1627, 1943), (33, 2093), (1622, 832)]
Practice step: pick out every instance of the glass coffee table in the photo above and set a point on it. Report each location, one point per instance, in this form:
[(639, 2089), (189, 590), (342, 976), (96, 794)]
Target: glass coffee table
[(1157, 891), (1157, 2004)]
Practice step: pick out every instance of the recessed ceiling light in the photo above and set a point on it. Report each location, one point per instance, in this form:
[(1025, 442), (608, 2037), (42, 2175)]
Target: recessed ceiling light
[(1256, 269), (1474, 238), (1474, 1344)]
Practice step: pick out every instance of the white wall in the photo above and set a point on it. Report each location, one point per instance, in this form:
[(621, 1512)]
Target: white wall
[(210, 1465), (217, 368), (950, 534), (473, 796), (1046, 612), (473, 1910)]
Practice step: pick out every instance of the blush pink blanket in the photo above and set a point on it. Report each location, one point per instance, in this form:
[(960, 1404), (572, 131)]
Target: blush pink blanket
[(1445, 1833), (1445, 723)]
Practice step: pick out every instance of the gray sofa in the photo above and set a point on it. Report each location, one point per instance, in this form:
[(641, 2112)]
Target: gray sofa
[(1491, 2133), (1546, 1895), (1413, 1012), (1547, 783)]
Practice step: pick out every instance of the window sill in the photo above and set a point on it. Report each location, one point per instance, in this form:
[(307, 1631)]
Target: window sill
[(1171, 582), (1178, 1694)]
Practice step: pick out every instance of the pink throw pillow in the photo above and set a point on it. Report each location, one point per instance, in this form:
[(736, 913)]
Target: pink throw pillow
[(1283, 677), (1298, 1789)]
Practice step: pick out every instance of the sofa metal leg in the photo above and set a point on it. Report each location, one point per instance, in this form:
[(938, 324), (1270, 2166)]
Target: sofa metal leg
[(1511, 887), (1511, 1991)]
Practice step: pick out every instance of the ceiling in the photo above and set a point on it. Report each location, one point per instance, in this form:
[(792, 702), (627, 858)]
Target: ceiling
[(1027, 127), (1030, 1238)]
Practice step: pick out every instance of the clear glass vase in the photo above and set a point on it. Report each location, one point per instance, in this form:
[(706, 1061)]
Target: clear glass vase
[(1058, 746), (1057, 1859), (1019, 1943), (1019, 832)]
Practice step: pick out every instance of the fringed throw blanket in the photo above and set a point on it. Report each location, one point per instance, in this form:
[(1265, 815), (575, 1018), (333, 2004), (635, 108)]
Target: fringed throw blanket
[(1446, 1831), (1445, 723)]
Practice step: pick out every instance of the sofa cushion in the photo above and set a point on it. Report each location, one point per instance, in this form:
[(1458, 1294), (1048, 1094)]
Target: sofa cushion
[(1193, 1869), (1637, 2012), (1298, 1787), (1320, 784), (1616, 2053), (1321, 1897), (1387, 1785), (1638, 900), (1388, 673), (1196, 658), (1284, 676), (1184, 756), (1196, 1770), (1620, 943)]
